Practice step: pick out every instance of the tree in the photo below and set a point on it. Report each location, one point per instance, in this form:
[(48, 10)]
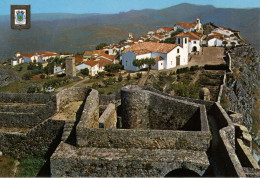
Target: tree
[(112, 68), (233, 44), (150, 62), (128, 77), (84, 71), (120, 78), (224, 43), (49, 68), (100, 46), (138, 63), (27, 76), (31, 66)]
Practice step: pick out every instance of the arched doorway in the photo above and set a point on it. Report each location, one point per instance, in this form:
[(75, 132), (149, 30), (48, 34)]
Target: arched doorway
[(182, 173), (194, 49)]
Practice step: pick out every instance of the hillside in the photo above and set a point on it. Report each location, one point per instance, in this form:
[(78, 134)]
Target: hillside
[(75, 33)]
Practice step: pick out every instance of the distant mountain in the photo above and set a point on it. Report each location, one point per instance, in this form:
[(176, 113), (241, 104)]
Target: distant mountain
[(63, 32)]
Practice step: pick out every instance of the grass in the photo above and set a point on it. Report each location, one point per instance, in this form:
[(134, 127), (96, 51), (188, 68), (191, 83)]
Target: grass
[(7, 165), (30, 166)]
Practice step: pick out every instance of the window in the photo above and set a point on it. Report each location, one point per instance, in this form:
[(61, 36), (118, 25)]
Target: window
[(185, 40), (179, 41), (171, 62), (126, 63), (161, 63), (194, 42), (178, 50)]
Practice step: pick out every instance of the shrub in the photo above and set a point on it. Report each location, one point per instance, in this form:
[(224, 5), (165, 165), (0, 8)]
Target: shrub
[(56, 82), (194, 68), (120, 78), (31, 66), (216, 67), (182, 70), (95, 85), (34, 89), (128, 77), (84, 71), (42, 76), (27, 76), (139, 74)]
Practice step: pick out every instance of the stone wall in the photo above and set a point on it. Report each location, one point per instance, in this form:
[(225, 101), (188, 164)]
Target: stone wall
[(90, 115), (39, 141), (144, 109), (36, 98), (25, 110), (145, 139), (71, 94), (102, 162), (109, 117)]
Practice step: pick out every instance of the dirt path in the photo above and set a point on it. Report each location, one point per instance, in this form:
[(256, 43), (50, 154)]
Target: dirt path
[(197, 76), (143, 79)]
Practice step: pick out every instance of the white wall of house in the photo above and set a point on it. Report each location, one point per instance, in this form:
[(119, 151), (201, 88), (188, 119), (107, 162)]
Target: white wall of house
[(224, 32), (92, 70), (194, 43), (184, 29), (14, 62), (215, 42), (57, 69)]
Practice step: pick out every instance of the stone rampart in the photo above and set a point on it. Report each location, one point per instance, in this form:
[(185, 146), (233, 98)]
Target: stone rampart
[(145, 109), (71, 94), (145, 139), (39, 141), (102, 162), (90, 115)]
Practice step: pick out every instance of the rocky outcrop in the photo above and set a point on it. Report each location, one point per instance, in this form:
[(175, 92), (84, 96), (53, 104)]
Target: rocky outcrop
[(7, 77), (241, 92)]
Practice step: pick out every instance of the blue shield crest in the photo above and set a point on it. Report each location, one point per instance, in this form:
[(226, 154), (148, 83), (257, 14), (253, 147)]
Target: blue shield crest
[(20, 16)]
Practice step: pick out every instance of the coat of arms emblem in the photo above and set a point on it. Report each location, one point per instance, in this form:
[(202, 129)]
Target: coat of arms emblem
[(20, 17)]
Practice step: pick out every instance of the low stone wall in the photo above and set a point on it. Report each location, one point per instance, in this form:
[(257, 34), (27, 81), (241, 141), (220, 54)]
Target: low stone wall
[(221, 87), (109, 117), (102, 162), (144, 109), (71, 94), (36, 98), (39, 141), (145, 139)]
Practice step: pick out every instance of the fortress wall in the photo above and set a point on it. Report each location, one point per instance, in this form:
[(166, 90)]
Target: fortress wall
[(144, 139), (41, 140), (36, 98), (226, 141), (89, 117), (144, 109), (25, 111), (208, 104), (114, 162), (71, 94), (109, 117)]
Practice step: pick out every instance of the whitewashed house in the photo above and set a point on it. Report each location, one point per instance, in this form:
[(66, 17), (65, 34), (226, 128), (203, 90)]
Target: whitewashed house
[(33, 57), (93, 67), (195, 40), (57, 69), (166, 55), (189, 27), (165, 30)]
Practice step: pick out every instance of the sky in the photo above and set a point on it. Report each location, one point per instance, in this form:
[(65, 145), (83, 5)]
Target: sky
[(114, 6)]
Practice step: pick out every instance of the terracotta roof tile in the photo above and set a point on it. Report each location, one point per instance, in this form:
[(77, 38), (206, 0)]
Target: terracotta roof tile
[(103, 62), (146, 47), (158, 58), (91, 62), (187, 25)]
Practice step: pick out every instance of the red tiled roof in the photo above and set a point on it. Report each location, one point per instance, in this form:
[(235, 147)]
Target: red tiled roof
[(191, 35), (158, 58), (166, 28), (110, 57), (88, 53), (142, 48), (103, 62), (186, 25), (28, 54), (91, 62), (78, 59)]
